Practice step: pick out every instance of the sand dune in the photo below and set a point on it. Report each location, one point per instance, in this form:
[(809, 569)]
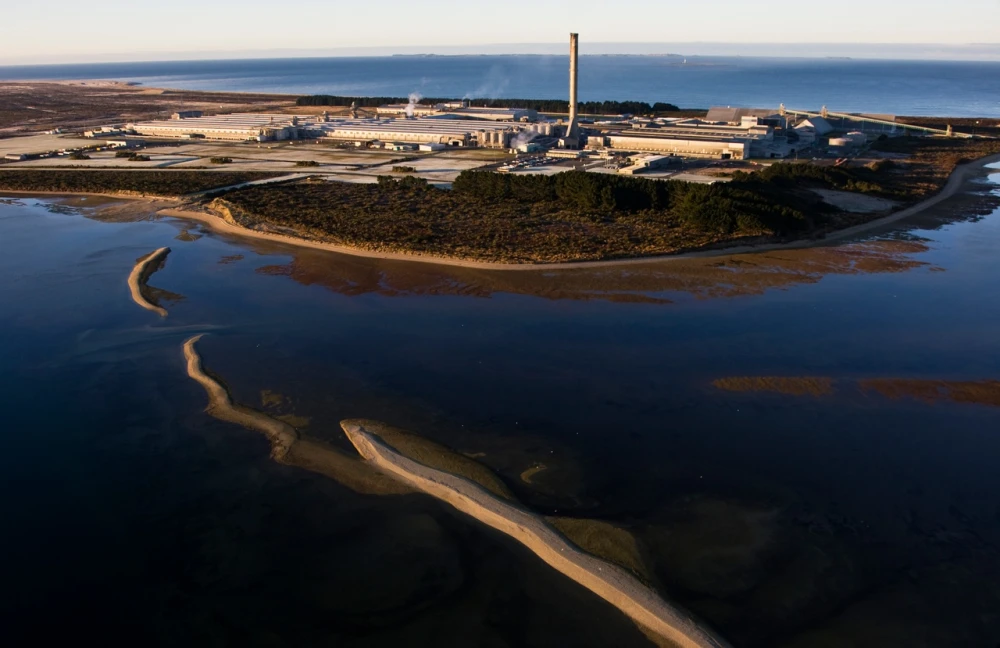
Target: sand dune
[(140, 274)]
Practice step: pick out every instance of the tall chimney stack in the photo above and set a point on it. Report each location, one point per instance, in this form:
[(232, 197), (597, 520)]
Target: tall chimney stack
[(572, 132)]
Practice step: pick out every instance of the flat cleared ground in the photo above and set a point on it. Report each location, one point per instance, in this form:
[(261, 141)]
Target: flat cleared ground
[(35, 144), (345, 164)]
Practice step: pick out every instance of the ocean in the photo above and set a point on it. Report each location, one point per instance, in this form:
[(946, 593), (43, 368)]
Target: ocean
[(945, 88)]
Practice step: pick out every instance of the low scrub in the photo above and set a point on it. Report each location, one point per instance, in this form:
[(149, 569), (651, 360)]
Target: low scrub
[(154, 183)]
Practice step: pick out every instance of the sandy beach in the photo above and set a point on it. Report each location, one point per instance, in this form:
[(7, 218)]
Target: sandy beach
[(140, 274), (608, 581), (955, 182)]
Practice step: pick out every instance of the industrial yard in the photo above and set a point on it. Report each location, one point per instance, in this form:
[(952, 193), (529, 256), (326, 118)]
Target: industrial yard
[(438, 141)]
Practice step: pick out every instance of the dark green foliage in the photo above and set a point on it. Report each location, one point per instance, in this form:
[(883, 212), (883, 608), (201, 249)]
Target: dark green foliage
[(78, 155), (307, 163), (861, 179), (136, 157), (157, 183), (542, 105), (221, 160), (124, 154), (748, 205), (403, 169)]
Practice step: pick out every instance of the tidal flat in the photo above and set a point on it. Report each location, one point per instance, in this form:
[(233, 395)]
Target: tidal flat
[(801, 506)]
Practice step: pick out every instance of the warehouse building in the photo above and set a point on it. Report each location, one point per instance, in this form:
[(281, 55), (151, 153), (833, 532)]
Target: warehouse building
[(240, 127), (460, 110), (734, 116), (443, 132), (723, 148)]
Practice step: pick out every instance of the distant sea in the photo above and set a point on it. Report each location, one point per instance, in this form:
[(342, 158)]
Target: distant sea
[(953, 88)]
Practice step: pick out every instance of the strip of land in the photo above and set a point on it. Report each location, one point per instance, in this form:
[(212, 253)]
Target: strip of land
[(608, 581), (144, 268), (961, 174)]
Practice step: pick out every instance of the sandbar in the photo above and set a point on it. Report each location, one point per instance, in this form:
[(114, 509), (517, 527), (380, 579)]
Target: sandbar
[(608, 581), (140, 274)]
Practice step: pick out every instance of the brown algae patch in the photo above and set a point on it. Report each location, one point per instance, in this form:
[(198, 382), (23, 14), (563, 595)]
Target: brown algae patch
[(605, 540), (144, 268), (187, 236), (983, 392), (270, 398), (433, 455), (531, 472), (789, 385), (296, 421)]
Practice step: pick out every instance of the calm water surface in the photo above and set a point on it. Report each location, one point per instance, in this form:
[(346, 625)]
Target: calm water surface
[(785, 519), (953, 88)]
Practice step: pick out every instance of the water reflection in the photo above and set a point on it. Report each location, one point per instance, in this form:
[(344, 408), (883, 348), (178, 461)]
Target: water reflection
[(710, 277)]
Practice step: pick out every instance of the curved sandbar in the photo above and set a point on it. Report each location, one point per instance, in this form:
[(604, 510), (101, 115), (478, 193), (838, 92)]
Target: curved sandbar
[(955, 181), (220, 405), (141, 273), (286, 445), (611, 583)]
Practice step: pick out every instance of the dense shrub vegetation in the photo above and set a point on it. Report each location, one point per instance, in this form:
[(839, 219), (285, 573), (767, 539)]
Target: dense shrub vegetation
[(221, 160), (156, 183), (542, 105), (307, 163), (503, 217)]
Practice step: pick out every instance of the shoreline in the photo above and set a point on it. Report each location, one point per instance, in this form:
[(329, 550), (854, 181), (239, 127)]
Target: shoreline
[(955, 181), (141, 272), (611, 583)]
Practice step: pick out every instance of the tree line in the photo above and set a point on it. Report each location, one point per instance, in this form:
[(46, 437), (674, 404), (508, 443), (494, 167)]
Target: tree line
[(541, 105), (749, 204)]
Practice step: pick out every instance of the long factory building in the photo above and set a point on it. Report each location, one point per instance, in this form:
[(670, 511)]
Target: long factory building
[(446, 130)]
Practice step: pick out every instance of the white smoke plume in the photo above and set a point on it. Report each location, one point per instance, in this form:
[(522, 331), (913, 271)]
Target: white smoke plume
[(415, 98), (523, 137), (492, 86)]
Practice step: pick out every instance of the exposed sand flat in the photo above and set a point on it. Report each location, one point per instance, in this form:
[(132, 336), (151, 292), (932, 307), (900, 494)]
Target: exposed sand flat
[(286, 445), (608, 581), (855, 202), (220, 405), (955, 182), (140, 274)]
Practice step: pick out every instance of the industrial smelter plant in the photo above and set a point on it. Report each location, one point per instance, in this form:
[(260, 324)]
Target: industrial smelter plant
[(726, 133)]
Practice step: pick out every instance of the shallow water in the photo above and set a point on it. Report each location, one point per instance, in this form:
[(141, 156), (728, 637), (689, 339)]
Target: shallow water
[(784, 517)]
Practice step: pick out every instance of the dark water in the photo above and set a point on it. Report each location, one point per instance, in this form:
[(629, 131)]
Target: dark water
[(953, 88), (847, 518)]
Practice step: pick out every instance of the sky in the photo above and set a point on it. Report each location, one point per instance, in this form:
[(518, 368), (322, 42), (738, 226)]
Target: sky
[(65, 31)]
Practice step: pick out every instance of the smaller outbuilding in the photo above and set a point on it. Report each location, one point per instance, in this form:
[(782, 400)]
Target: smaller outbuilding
[(820, 125)]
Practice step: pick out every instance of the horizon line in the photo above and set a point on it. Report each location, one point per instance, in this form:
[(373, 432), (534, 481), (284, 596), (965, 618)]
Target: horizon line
[(866, 51)]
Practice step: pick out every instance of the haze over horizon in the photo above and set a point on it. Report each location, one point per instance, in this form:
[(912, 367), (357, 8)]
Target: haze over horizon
[(49, 31)]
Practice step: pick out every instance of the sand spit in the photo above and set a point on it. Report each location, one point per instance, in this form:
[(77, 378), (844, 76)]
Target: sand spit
[(220, 405), (144, 268), (608, 581), (286, 445), (954, 184)]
